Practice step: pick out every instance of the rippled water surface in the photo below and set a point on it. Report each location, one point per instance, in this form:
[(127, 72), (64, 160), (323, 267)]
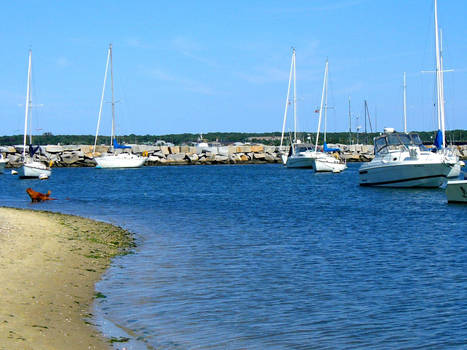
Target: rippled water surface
[(263, 257)]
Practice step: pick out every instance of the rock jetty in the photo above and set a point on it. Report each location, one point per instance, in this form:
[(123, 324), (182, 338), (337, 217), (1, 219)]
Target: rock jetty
[(82, 156)]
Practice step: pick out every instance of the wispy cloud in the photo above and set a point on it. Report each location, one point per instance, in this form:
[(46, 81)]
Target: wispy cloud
[(265, 75), (63, 62), (324, 6), (339, 5), (136, 42), (192, 49), (184, 83)]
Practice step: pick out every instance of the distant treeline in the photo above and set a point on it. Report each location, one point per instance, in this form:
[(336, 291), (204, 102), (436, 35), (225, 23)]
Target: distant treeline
[(267, 138)]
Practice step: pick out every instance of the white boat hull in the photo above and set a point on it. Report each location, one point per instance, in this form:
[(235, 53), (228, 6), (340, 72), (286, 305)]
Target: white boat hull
[(123, 160), (2, 165), (407, 174), (34, 170), (328, 164), (302, 159), (299, 162), (456, 191)]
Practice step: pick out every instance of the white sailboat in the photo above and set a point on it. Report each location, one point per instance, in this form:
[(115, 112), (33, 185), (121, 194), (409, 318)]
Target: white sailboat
[(324, 161), (440, 140), (300, 155), (31, 168), (114, 160)]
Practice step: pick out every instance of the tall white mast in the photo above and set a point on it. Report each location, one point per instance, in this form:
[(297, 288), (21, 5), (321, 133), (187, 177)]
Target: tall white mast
[(287, 99), (442, 85), (439, 80), (350, 125), (326, 105), (102, 101), (294, 96), (28, 101), (321, 106), (113, 101), (405, 105)]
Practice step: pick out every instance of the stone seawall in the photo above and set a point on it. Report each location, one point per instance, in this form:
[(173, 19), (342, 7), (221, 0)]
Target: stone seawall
[(81, 155)]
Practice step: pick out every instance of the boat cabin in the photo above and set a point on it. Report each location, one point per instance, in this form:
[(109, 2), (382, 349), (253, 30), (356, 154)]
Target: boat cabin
[(301, 147), (397, 141)]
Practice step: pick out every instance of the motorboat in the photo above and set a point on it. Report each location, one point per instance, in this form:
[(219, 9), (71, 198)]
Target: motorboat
[(456, 191), (401, 160)]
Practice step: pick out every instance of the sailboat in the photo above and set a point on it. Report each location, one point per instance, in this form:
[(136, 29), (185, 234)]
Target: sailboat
[(300, 154), (324, 161), (440, 139), (31, 168), (114, 160)]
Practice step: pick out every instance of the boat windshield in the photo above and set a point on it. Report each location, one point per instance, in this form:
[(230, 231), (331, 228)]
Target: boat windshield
[(299, 149), (380, 144), (395, 141), (417, 141)]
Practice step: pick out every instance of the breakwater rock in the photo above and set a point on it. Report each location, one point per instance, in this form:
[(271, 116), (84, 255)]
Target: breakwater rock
[(82, 155)]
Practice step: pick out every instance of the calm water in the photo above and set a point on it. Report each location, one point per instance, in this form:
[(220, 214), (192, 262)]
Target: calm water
[(263, 257)]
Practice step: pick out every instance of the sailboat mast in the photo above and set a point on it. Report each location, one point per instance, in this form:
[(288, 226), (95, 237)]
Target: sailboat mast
[(440, 102), (102, 101), (294, 97), (350, 125), (321, 105), (442, 83), (287, 99), (326, 106), (405, 105), (364, 111), (113, 100), (27, 106)]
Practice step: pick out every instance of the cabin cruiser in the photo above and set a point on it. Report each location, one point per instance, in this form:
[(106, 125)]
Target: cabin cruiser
[(401, 160)]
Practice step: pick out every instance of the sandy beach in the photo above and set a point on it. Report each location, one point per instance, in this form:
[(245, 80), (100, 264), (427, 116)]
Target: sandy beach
[(49, 264)]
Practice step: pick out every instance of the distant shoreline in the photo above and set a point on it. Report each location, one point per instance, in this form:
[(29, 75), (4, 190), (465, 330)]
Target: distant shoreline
[(50, 263)]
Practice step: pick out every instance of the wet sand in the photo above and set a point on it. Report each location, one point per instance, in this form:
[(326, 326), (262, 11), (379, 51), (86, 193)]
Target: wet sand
[(49, 264)]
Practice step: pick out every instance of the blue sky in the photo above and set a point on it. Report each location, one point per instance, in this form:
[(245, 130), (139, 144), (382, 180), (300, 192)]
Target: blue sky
[(201, 66)]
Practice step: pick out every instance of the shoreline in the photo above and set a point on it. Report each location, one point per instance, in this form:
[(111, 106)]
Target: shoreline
[(49, 264)]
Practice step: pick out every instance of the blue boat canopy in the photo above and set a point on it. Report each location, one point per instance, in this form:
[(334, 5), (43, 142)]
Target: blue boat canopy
[(326, 149), (117, 145), (439, 139), (33, 150)]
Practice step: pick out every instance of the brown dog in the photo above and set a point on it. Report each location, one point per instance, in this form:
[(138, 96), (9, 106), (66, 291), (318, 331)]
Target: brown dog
[(37, 196)]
